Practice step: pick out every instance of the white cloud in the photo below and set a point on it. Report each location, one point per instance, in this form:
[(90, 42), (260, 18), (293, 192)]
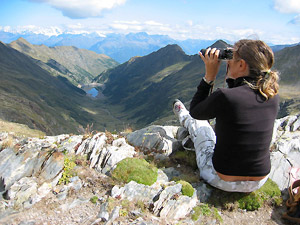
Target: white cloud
[(76, 9), (48, 31), (287, 6), (150, 26), (153, 23)]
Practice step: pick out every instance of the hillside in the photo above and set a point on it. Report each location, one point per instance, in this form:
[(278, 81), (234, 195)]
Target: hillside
[(32, 96), (287, 63), (145, 87), (79, 65)]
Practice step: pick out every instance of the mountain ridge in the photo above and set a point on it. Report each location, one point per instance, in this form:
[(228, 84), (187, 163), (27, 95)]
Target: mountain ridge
[(80, 65)]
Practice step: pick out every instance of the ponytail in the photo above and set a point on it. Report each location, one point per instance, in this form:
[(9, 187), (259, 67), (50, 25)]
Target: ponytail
[(268, 84)]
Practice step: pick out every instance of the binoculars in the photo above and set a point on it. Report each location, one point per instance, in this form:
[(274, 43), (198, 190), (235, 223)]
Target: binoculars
[(225, 53)]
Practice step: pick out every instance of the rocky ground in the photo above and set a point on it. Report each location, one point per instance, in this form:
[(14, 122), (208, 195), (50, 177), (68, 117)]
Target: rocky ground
[(67, 179), (77, 208)]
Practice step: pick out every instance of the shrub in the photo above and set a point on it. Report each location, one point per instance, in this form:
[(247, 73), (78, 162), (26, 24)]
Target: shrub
[(134, 169), (69, 172)]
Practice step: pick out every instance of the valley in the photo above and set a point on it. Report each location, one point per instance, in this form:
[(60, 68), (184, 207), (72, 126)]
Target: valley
[(48, 89)]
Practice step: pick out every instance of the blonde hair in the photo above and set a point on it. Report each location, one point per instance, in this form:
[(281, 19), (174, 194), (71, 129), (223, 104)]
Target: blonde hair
[(260, 58)]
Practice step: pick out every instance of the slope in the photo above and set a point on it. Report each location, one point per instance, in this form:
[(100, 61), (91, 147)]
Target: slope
[(287, 63), (32, 96), (80, 65)]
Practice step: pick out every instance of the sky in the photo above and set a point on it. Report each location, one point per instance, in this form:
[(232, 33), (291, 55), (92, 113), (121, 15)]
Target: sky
[(273, 21)]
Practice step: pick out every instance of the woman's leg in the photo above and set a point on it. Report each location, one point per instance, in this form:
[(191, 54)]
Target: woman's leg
[(204, 140)]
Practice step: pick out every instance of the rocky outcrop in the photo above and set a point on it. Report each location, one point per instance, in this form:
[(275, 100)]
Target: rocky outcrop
[(285, 151), (32, 168)]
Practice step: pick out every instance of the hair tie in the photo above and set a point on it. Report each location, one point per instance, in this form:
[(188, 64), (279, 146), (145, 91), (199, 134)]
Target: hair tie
[(267, 73)]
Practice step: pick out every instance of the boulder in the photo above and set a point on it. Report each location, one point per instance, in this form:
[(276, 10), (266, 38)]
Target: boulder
[(154, 138)]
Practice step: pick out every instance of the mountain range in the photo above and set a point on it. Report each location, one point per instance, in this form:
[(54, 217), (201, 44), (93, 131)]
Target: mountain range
[(136, 93), (80, 66), (120, 47)]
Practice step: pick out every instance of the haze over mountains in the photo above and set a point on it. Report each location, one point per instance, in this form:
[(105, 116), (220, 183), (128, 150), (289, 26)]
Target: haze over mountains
[(120, 47), (34, 89)]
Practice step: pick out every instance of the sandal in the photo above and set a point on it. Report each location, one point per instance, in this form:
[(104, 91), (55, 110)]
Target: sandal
[(293, 203), (294, 193)]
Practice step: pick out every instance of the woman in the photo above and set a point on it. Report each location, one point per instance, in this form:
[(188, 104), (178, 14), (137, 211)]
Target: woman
[(239, 161)]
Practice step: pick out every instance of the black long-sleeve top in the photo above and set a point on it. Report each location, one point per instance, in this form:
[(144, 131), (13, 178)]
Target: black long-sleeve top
[(244, 126)]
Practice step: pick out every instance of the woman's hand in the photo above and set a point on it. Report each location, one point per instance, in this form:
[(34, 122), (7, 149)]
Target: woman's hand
[(212, 63)]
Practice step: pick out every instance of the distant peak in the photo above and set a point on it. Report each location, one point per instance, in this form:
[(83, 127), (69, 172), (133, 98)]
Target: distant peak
[(220, 44), (172, 47), (20, 40)]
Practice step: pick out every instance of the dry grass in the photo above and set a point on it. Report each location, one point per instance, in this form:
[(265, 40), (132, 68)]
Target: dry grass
[(289, 91), (19, 129)]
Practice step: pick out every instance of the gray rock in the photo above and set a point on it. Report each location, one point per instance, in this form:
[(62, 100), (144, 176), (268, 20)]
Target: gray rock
[(52, 166), (14, 166), (111, 155), (172, 204), (295, 126), (103, 213), (203, 192), (114, 215), (154, 137), (22, 190), (69, 145), (136, 192), (285, 151), (171, 172)]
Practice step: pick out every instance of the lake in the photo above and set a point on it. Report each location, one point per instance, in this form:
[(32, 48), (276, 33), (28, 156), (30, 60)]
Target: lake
[(93, 92)]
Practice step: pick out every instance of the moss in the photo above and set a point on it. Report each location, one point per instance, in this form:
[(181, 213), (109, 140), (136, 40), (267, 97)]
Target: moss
[(134, 169), (250, 202), (269, 193), (187, 158), (94, 199), (206, 211), (187, 188), (196, 213)]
